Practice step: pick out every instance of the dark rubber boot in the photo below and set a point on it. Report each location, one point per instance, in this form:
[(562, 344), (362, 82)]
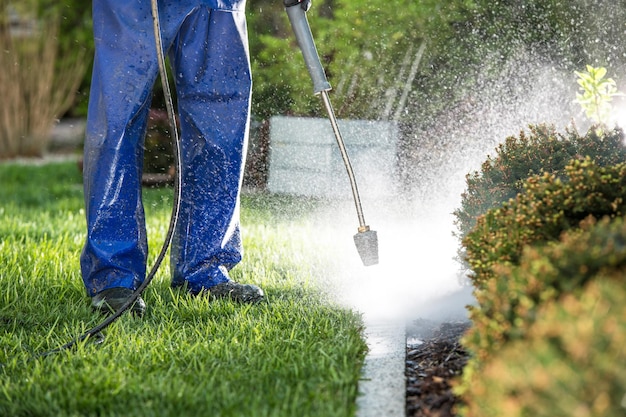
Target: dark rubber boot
[(111, 300), (241, 293)]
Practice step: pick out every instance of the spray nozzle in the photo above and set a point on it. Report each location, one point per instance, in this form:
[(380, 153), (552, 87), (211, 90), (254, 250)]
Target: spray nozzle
[(366, 242)]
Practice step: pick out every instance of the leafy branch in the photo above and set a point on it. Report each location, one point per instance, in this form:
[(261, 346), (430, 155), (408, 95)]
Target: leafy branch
[(597, 93)]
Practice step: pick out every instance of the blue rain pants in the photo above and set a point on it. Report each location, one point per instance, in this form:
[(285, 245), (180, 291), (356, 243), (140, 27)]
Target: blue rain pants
[(207, 45)]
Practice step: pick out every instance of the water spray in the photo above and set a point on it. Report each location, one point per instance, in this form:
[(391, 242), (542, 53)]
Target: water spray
[(366, 240)]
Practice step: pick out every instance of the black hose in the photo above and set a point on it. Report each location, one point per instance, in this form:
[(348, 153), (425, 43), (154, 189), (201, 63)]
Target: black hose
[(176, 204)]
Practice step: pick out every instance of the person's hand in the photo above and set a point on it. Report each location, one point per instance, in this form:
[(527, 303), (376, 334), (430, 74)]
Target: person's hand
[(305, 4)]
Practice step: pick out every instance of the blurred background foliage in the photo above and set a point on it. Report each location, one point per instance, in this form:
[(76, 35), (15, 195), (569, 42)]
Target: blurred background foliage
[(365, 43), (422, 63), (40, 75)]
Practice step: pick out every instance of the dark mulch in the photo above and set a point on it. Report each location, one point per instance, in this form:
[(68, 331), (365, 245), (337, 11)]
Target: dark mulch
[(431, 365)]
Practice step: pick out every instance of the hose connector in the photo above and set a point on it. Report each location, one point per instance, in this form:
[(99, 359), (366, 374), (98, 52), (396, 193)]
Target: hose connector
[(304, 4)]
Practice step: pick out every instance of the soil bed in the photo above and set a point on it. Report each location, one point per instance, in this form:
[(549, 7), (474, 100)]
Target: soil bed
[(434, 357)]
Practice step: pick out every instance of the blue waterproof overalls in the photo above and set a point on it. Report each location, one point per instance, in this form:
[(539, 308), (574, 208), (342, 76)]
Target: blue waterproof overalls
[(208, 50)]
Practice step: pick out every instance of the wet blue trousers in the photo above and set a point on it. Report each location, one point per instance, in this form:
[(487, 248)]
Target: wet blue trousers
[(207, 46)]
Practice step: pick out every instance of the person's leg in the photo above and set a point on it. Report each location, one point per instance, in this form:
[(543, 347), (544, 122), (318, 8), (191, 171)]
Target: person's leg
[(211, 63), (124, 71)]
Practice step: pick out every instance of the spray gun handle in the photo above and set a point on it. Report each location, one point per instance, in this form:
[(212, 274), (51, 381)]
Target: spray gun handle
[(302, 30)]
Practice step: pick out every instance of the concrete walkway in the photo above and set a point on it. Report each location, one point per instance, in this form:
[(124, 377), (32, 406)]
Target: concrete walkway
[(382, 388)]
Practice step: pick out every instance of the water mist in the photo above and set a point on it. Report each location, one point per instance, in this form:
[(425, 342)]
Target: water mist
[(418, 275)]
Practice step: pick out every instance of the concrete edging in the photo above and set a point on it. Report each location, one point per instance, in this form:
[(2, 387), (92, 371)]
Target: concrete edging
[(382, 389)]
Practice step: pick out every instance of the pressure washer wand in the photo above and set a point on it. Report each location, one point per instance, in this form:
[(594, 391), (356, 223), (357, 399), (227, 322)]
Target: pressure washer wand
[(366, 240)]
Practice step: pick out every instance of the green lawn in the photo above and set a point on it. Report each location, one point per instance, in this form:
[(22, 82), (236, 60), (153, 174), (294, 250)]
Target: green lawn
[(299, 354)]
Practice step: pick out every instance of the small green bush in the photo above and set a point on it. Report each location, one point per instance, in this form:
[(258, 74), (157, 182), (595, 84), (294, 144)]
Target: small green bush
[(543, 150), (547, 207), (571, 364), (508, 296), (512, 307), (508, 303)]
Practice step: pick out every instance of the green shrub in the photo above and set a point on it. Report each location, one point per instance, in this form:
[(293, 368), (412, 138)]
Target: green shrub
[(547, 207), (512, 301), (543, 150), (571, 363), (507, 304)]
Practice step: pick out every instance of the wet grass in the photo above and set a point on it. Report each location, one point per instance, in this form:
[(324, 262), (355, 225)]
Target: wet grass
[(296, 355)]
